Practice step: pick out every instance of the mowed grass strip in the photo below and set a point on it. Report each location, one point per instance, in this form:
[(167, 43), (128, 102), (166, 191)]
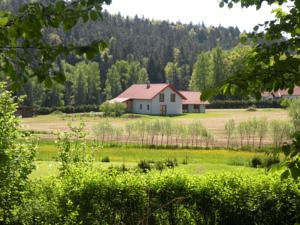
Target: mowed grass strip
[(51, 168), (47, 151)]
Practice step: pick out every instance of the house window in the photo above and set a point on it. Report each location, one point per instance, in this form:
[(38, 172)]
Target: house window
[(185, 108), (173, 98), (141, 107), (196, 106), (161, 97), (148, 107)]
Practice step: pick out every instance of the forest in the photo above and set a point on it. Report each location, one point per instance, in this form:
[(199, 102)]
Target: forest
[(190, 56)]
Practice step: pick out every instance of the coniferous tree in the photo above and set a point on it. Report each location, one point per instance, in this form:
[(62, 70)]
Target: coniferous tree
[(218, 66)]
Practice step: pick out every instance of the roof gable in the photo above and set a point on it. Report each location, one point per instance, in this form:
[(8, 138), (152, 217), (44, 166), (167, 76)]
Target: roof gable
[(192, 98), (144, 91), (280, 93)]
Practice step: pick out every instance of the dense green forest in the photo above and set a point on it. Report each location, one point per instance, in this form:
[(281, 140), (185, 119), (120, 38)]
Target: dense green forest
[(139, 50)]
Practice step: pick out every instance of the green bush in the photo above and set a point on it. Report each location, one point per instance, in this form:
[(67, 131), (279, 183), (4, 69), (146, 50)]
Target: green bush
[(17, 154), (256, 162), (66, 109), (240, 104), (105, 159), (271, 161), (144, 166), (113, 109), (97, 197), (171, 163)]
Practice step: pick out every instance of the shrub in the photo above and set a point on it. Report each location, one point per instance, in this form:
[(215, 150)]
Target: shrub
[(171, 163), (113, 109), (229, 130), (251, 109), (232, 104), (271, 161), (144, 166), (66, 109), (105, 159), (294, 113), (185, 161), (17, 153), (256, 162), (89, 196), (159, 165)]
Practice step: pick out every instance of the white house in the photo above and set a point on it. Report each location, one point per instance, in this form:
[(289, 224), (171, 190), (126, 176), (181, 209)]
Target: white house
[(192, 103), (153, 99)]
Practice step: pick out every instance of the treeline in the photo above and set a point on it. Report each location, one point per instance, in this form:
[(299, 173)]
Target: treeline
[(84, 85), (163, 132), (139, 50)]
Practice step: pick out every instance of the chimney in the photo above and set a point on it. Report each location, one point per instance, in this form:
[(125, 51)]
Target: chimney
[(148, 85)]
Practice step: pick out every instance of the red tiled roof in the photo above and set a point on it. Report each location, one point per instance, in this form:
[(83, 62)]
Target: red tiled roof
[(141, 91), (281, 93), (192, 98), (118, 100)]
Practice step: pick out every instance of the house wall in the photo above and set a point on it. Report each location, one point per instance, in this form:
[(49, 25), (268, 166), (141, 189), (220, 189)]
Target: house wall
[(136, 106), (191, 109), (173, 108)]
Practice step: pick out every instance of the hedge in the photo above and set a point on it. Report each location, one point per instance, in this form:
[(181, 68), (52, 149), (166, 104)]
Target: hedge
[(232, 104), (226, 104), (66, 109), (93, 197)]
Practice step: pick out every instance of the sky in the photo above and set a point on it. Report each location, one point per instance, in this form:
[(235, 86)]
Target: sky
[(195, 11)]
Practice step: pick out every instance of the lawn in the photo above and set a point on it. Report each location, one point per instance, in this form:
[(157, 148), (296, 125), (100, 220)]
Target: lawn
[(199, 161)]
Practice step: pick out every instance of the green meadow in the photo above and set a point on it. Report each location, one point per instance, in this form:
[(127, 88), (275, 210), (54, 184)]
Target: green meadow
[(199, 161)]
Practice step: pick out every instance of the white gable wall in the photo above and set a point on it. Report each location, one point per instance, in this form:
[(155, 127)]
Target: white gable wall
[(136, 106), (173, 108)]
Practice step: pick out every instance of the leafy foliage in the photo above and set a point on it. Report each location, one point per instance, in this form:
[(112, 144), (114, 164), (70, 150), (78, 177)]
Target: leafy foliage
[(115, 109), (25, 53), (275, 60), (17, 152), (74, 149), (90, 196)]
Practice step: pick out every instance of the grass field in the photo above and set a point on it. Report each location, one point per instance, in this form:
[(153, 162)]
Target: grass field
[(213, 120), (199, 161)]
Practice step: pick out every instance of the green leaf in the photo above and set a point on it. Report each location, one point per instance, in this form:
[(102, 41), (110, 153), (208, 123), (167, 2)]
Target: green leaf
[(3, 21), (286, 150), (208, 94), (60, 6), (48, 82), (221, 5), (230, 5), (94, 15), (295, 172), (285, 175), (60, 77), (297, 3)]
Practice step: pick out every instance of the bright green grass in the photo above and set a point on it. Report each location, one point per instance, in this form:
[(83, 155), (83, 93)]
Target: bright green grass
[(47, 151), (199, 161), (48, 168)]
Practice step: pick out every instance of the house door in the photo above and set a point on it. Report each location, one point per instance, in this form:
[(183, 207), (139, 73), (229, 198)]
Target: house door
[(163, 109), (129, 106)]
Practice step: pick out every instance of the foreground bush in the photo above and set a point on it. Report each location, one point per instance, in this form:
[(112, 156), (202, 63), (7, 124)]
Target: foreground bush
[(113, 109), (94, 197)]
